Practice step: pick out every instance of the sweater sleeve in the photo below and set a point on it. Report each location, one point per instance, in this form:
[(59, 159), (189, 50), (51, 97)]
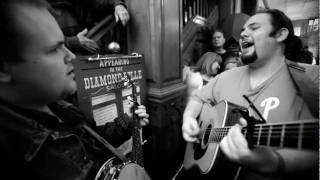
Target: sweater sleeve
[(72, 42), (118, 131), (206, 92)]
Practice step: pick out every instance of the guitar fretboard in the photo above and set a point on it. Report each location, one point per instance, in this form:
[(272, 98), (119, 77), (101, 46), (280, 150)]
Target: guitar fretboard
[(137, 153), (300, 135)]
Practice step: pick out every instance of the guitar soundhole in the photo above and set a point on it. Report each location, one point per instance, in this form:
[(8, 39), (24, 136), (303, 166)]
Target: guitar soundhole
[(199, 151), (206, 135)]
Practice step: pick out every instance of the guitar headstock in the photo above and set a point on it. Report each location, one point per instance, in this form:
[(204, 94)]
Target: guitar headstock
[(128, 82)]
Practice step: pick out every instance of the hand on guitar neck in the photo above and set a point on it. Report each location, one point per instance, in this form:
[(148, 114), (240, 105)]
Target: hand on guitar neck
[(140, 111), (265, 160)]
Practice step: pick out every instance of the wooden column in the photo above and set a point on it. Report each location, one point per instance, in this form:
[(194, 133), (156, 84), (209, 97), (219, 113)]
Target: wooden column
[(155, 30)]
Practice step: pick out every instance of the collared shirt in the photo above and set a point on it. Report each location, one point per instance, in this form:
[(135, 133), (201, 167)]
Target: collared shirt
[(37, 145)]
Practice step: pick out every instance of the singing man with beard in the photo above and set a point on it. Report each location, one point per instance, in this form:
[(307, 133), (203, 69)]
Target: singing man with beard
[(268, 82)]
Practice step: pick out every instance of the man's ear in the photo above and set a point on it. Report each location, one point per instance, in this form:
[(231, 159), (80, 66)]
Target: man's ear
[(282, 34), (5, 75)]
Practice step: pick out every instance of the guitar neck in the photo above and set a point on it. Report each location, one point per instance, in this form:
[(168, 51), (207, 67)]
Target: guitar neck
[(137, 153), (299, 135)]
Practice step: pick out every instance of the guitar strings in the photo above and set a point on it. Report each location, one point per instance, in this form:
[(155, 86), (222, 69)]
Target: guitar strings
[(276, 132), (265, 130)]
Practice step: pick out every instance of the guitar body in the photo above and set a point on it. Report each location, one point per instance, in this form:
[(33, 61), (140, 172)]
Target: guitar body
[(215, 122), (207, 156), (117, 170)]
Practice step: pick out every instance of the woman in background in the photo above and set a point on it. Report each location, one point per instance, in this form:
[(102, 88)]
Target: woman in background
[(205, 69)]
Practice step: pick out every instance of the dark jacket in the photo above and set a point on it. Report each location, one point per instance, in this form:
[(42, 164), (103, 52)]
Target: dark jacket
[(306, 81), (37, 145)]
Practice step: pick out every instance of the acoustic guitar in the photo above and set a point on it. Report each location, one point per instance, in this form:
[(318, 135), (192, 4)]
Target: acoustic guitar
[(215, 122), (116, 169)]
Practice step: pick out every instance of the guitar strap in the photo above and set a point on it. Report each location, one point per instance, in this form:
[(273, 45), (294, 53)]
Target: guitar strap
[(306, 80), (105, 143)]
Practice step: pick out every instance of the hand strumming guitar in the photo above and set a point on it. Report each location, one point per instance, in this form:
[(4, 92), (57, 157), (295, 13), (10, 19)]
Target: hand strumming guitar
[(190, 127)]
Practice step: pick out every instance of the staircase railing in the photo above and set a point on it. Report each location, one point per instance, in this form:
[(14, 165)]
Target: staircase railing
[(199, 16), (106, 31), (192, 8), (104, 26)]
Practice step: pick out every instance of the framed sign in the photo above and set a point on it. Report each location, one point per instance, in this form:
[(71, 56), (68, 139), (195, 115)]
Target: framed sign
[(101, 92)]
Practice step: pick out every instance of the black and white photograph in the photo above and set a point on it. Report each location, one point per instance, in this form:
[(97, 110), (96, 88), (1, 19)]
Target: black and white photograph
[(159, 89)]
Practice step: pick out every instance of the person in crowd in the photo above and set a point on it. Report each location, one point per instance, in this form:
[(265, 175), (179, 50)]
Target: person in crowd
[(42, 136), (232, 61), (218, 41), (298, 53), (271, 82), (75, 17), (306, 56), (204, 70)]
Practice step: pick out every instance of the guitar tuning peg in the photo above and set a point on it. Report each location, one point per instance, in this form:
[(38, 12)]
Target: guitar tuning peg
[(129, 98), (125, 80)]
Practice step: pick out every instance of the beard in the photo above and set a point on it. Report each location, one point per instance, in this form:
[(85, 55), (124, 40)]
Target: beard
[(247, 59)]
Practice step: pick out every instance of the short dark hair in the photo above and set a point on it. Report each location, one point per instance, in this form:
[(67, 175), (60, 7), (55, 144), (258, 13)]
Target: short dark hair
[(218, 30), (280, 20), (10, 34)]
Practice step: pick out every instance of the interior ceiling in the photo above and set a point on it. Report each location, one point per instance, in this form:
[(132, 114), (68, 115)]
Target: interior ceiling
[(296, 9)]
